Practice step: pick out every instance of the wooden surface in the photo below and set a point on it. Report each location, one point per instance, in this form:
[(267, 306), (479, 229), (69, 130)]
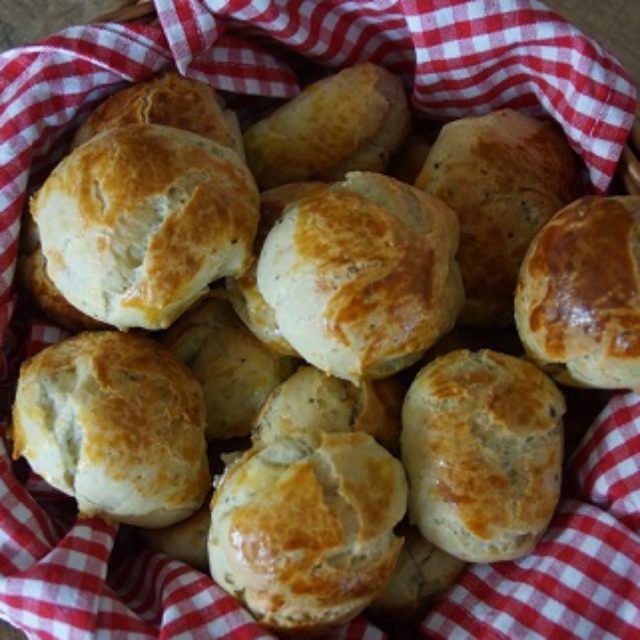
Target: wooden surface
[(614, 23)]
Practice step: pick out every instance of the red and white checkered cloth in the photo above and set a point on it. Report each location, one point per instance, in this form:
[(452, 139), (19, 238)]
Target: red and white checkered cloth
[(66, 577)]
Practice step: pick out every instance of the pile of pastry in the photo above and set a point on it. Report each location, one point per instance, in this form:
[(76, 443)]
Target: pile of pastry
[(277, 291)]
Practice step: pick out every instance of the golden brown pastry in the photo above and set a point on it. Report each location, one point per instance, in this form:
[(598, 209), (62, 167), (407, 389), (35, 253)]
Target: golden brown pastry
[(482, 447), (32, 276), (504, 340), (311, 403), (422, 574), (304, 536), (362, 275), (243, 290), (171, 100), (151, 215), (350, 120), (578, 296), (236, 371), (505, 174), (185, 541), (117, 421)]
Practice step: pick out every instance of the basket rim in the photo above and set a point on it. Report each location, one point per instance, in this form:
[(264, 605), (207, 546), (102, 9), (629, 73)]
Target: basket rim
[(130, 11)]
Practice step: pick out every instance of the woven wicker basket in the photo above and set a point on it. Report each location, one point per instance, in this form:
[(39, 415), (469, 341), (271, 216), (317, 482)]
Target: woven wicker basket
[(130, 11), (627, 178), (629, 168)]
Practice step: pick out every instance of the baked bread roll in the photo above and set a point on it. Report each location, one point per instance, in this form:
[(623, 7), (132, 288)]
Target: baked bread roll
[(505, 174), (311, 403), (304, 537), (422, 574), (151, 216), (504, 340), (248, 302), (482, 446), (185, 541), (33, 278), (171, 100), (578, 296), (362, 275), (116, 421), (353, 119), (236, 371)]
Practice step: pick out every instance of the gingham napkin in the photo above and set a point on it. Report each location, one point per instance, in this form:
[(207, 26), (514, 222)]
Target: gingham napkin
[(64, 577)]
